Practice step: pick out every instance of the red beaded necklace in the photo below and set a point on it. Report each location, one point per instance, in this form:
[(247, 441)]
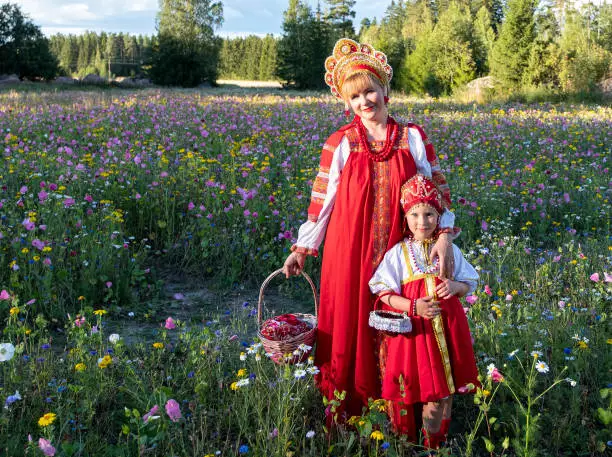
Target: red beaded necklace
[(387, 149)]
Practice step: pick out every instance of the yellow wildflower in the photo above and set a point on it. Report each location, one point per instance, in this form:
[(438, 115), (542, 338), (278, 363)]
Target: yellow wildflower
[(81, 298), (158, 345), (47, 419), (234, 386), (14, 310), (377, 435), (486, 393), (582, 345), (100, 312), (105, 361), (242, 372), (80, 367)]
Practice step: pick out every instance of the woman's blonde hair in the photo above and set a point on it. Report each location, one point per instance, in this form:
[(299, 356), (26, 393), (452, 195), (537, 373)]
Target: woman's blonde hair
[(358, 82)]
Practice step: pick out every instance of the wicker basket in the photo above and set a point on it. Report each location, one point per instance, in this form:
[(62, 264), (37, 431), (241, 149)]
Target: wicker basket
[(283, 351)]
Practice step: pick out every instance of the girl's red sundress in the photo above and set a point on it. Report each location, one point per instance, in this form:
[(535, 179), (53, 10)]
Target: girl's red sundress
[(432, 362)]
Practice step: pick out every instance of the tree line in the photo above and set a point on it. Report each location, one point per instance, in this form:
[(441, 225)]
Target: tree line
[(434, 46), (103, 54)]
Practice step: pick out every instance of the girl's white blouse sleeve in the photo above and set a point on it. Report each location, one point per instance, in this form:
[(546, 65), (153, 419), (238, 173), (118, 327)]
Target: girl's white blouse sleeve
[(390, 271)]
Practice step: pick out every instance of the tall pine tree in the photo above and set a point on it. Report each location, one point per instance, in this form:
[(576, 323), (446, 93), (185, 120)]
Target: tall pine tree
[(303, 48), (340, 16), (510, 56), (187, 51)]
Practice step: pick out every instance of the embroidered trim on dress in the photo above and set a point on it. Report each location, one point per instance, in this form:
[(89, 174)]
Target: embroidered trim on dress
[(438, 329), (303, 250), (436, 323)]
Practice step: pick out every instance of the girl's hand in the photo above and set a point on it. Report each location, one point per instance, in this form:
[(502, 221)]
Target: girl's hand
[(294, 264), (448, 288), (427, 307), (443, 249)]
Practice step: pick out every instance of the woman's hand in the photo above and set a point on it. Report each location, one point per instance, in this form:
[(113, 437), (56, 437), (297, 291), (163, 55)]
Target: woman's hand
[(448, 288), (443, 249), (427, 307), (294, 264)]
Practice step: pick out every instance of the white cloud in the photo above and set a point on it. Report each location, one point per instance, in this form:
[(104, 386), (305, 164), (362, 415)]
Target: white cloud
[(143, 5), (75, 12)]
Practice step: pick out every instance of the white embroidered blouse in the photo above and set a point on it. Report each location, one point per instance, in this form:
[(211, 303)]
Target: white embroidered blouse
[(393, 271), (311, 234)]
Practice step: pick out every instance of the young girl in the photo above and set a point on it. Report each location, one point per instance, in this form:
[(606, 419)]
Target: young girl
[(425, 367)]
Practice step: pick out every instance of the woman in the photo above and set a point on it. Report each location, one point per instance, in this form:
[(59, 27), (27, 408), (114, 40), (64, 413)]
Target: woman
[(355, 206)]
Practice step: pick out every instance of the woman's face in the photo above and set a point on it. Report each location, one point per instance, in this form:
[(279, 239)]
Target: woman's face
[(422, 221), (368, 103)]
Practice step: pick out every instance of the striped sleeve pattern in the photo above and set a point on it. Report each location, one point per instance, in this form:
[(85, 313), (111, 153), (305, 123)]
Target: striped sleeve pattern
[(319, 188)]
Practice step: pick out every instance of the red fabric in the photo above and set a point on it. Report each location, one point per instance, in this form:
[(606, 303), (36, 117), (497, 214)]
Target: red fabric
[(346, 348), (417, 358), (284, 327)]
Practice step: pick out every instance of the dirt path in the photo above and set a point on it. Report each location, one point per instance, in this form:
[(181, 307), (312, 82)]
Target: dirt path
[(249, 84), (196, 303)]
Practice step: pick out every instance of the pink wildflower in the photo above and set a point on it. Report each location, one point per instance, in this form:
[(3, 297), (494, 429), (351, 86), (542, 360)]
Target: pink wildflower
[(594, 277), (170, 325), (4, 295), (607, 277), (488, 291), (494, 373), (45, 447), (152, 412), (471, 299), (173, 410)]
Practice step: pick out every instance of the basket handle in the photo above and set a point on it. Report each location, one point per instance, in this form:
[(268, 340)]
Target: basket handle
[(267, 281), (378, 299)]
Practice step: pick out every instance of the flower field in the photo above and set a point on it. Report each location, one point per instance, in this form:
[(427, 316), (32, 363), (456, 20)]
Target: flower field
[(99, 191)]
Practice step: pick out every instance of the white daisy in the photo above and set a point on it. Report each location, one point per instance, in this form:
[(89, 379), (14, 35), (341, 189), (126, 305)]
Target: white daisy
[(242, 382), (299, 374), (313, 370), (542, 367)]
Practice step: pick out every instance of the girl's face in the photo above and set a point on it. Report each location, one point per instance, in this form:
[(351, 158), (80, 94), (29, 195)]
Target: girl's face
[(368, 103), (422, 221)]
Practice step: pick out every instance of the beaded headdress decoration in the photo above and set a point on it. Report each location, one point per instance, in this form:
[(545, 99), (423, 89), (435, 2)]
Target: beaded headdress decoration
[(420, 190), (350, 58)]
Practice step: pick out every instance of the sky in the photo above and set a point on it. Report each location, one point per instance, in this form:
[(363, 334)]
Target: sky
[(241, 17)]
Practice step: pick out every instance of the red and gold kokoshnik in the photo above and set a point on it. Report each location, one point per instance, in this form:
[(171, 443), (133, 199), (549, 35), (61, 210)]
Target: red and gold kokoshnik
[(351, 58), (421, 190)]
